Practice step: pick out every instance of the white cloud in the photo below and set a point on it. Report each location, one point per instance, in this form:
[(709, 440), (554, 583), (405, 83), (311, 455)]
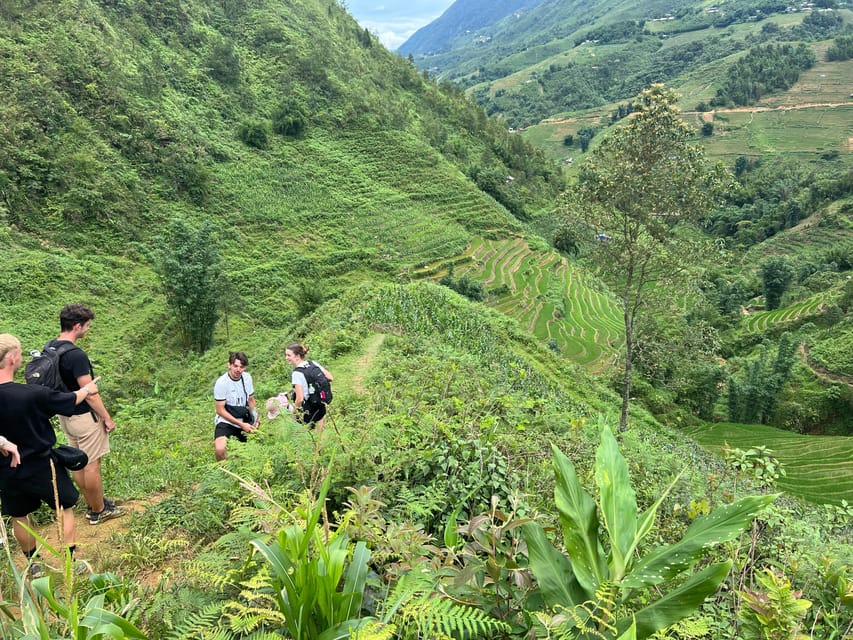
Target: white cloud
[(393, 23), (393, 33)]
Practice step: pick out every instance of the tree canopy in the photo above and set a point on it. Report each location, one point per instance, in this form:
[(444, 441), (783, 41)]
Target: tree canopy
[(637, 189)]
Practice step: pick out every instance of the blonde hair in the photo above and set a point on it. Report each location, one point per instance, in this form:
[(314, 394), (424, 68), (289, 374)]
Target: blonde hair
[(8, 343)]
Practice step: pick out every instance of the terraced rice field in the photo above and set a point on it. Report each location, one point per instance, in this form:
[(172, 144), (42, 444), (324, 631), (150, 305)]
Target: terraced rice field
[(759, 321), (819, 468), (548, 296)]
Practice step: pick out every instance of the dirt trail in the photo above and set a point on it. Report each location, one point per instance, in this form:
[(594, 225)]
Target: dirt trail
[(364, 362), (93, 541)]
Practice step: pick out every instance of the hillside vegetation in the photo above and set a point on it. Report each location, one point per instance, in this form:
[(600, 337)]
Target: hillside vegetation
[(334, 182)]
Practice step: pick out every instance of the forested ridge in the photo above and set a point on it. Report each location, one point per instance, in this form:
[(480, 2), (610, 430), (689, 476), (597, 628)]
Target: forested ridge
[(221, 175)]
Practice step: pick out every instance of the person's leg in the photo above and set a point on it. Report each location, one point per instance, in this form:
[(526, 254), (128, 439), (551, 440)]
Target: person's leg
[(26, 540), (88, 433), (68, 526), (91, 484), (219, 445)]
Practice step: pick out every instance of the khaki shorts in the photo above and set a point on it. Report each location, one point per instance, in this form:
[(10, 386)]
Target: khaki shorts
[(88, 433)]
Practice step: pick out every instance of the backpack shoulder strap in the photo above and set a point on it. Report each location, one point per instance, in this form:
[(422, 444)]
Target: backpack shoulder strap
[(307, 370), (65, 347)]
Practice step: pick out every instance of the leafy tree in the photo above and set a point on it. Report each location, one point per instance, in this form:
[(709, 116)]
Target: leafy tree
[(708, 129), (567, 238), (776, 275), (762, 70), (189, 270), (224, 64), (753, 395), (255, 133), (471, 289), (637, 187), (841, 49), (585, 136)]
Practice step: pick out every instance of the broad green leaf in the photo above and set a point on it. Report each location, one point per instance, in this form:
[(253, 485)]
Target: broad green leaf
[(451, 536), (722, 525), (579, 520), (356, 576), (618, 502), (630, 633), (553, 570), (345, 630), (680, 602)]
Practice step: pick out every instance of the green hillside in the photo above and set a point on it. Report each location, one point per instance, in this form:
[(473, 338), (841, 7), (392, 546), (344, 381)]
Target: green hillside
[(335, 182)]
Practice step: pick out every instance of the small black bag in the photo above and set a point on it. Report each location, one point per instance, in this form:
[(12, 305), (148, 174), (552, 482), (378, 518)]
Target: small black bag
[(70, 457), (243, 414)]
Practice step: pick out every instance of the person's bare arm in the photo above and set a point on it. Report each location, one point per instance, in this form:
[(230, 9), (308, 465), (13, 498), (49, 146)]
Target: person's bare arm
[(223, 412), (96, 404)]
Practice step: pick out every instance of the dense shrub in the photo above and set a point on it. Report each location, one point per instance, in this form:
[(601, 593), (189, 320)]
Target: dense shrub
[(255, 133)]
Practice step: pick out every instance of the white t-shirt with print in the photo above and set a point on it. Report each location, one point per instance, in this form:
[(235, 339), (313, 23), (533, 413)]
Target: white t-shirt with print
[(232, 392)]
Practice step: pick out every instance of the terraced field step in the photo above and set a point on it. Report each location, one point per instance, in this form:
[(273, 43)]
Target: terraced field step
[(759, 321), (546, 294), (818, 468)]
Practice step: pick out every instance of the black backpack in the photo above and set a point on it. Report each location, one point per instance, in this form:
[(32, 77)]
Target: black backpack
[(319, 387), (43, 368)]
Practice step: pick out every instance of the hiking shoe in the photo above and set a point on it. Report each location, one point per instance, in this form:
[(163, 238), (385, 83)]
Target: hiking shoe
[(36, 570), (112, 511), (82, 567), (109, 503)]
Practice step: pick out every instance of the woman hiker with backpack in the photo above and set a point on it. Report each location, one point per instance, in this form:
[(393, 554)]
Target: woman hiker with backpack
[(311, 389)]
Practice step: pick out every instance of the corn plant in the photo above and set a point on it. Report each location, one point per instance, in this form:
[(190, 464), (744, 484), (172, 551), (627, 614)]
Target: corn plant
[(603, 576), (41, 612), (307, 565)]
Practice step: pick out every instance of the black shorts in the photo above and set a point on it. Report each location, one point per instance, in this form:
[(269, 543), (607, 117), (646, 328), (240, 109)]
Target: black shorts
[(20, 497), (313, 413), (228, 430)]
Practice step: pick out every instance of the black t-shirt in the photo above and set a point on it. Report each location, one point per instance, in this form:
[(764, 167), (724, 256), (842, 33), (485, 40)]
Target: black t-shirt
[(72, 365), (25, 412)]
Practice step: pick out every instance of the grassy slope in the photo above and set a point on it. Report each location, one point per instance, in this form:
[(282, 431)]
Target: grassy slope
[(385, 197)]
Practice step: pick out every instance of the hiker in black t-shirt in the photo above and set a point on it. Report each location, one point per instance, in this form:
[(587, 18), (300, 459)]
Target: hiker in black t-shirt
[(90, 425), (26, 438)]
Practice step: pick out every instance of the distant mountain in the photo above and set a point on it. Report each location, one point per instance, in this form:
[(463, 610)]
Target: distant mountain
[(462, 18), (562, 56)]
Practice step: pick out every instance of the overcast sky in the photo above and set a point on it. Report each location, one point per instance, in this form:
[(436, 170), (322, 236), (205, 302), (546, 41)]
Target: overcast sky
[(393, 21)]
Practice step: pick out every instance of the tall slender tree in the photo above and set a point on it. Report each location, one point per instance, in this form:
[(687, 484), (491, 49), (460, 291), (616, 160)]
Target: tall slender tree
[(189, 268), (639, 190)]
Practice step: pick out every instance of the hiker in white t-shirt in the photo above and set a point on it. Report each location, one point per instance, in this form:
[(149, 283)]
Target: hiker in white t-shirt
[(235, 404)]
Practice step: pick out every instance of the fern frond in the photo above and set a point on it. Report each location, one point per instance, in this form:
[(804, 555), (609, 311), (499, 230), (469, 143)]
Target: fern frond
[(244, 619), (695, 628), (374, 630), (442, 616), (590, 619), (412, 583), (263, 635), (209, 574), (200, 624)]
